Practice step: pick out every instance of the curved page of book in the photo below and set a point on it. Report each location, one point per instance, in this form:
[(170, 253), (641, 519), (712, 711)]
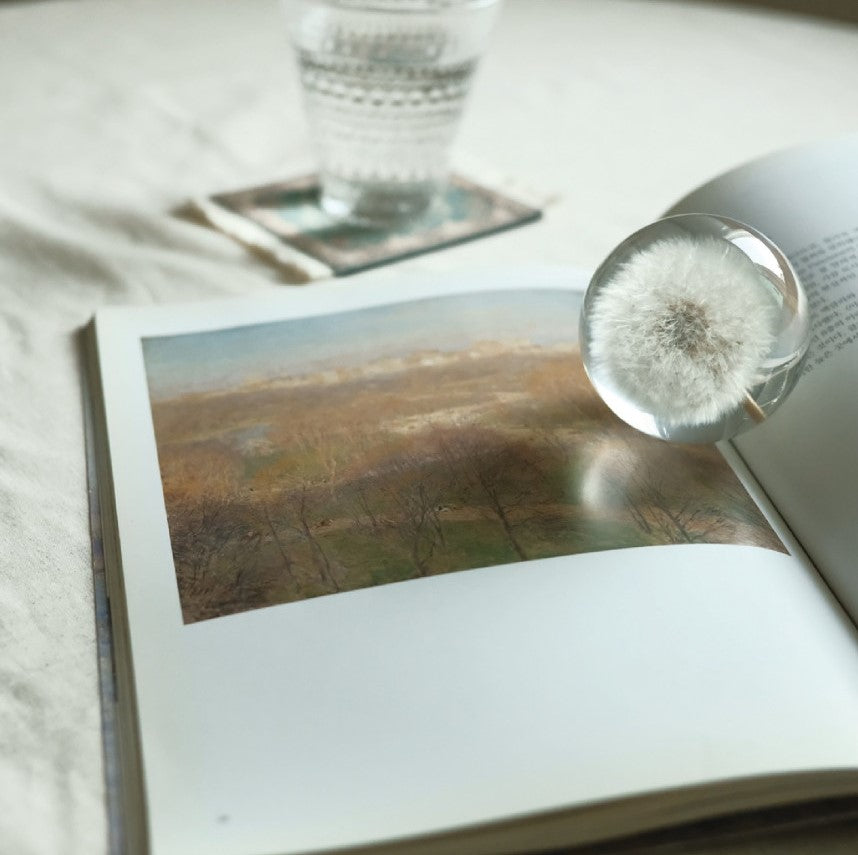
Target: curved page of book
[(805, 458), (443, 702)]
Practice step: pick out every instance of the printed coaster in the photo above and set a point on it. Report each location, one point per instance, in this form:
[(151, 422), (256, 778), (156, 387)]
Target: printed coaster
[(284, 221)]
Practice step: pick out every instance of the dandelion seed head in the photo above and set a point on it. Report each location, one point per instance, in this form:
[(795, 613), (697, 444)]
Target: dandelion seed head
[(683, 328)]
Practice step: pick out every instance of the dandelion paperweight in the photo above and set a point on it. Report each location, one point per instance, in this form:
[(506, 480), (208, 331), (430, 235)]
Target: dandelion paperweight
[(694, 328)]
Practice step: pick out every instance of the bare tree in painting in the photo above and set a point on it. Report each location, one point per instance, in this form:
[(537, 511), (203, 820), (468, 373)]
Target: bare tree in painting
[(199, 531), (656, 485), (675, 519), (216, 553), (398, 500), (364, 516), (264, 506), (413, 492), (293, 493), (300, 502), (499, 474)]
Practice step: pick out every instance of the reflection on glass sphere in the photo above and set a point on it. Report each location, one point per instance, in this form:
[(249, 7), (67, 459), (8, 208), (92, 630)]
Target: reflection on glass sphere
[(694, 329)]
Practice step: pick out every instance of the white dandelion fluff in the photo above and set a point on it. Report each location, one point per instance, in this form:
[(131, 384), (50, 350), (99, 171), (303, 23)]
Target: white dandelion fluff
[(683, 328)]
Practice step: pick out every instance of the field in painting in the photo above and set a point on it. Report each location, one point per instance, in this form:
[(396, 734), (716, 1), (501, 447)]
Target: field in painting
[(383, 464)]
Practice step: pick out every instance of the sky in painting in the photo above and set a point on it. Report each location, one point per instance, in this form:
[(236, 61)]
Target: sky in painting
[(228, 358)]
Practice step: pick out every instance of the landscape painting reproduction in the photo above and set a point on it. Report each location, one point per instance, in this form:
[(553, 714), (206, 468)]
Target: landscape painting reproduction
[(313, 456)]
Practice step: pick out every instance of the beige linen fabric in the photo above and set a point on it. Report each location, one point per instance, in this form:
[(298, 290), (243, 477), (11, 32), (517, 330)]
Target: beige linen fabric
[(113, 114)]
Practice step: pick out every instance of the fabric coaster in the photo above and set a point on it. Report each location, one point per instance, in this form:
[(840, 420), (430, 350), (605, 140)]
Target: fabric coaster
[(284, 221)]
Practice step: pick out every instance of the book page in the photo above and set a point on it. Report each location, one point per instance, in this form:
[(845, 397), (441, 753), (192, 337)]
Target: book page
[(364, 606), (806, 455)]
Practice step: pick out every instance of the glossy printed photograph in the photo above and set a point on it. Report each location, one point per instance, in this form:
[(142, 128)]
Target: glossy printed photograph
[(309, 457)]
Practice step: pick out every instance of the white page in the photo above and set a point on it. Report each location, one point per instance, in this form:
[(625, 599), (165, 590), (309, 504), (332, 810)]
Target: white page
[(463, 698), (806, 455)]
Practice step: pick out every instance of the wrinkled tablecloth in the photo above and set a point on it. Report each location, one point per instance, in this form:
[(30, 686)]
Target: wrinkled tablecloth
[(114, 114)]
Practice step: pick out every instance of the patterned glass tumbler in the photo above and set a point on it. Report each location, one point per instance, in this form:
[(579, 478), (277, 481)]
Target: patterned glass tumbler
[(384, 84)]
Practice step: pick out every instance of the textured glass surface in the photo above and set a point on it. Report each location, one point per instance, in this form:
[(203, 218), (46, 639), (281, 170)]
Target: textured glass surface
[(694, 329), (384, 86)]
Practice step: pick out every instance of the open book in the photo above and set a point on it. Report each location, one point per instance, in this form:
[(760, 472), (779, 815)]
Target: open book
[(387, 576)]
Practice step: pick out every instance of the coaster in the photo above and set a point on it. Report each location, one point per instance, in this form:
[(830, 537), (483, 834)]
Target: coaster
[(284, 221)]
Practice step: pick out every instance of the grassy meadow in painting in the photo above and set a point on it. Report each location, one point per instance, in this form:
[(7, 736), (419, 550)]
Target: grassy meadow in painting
[(321, 455)]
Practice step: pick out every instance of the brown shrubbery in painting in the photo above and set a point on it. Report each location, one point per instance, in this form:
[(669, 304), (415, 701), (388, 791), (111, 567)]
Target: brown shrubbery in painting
[(312, 485)]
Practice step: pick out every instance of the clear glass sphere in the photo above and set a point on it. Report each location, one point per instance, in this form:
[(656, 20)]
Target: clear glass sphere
[(694, 328)]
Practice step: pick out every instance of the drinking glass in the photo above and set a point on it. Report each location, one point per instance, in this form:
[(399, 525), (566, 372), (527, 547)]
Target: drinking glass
[(384, 85)]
